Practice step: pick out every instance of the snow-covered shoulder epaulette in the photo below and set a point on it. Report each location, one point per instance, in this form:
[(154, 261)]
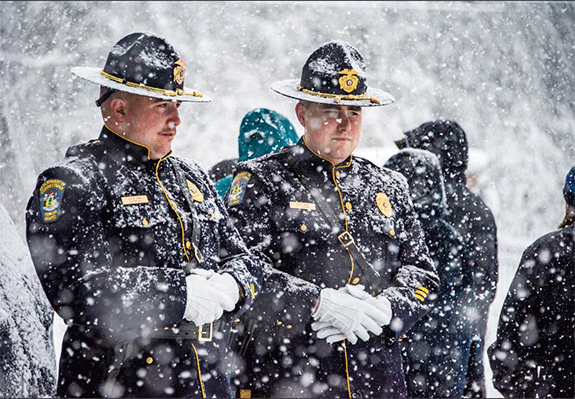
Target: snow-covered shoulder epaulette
[(89, 148)]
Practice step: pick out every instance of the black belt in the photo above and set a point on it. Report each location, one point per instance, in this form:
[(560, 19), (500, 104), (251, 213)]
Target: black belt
[(203, 333)]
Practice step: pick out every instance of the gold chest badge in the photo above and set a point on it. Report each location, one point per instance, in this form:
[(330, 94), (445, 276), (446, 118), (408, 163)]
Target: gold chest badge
[(383, 204), (196, 193)]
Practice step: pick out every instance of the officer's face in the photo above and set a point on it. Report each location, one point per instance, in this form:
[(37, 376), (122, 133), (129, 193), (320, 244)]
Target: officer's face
[(331, 131), (152, 122)]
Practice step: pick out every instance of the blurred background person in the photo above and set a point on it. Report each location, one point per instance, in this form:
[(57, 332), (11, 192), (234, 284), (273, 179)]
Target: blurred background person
[(436, 350), (262, 131), (222, 168), (27, 355), (532, 355), (471, 217)]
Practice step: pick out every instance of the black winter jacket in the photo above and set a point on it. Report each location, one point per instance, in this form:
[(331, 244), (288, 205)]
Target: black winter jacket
[(533, 353)]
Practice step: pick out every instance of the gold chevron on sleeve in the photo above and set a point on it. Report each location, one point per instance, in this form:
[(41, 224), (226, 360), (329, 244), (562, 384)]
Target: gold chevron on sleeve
[(421, 293)]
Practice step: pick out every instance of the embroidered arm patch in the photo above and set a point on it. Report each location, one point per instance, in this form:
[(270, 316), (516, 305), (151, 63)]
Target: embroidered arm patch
[(51, 193), (238, 188)]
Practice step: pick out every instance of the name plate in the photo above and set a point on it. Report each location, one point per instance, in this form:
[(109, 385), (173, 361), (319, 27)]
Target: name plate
[(135, 199), (310, 206)]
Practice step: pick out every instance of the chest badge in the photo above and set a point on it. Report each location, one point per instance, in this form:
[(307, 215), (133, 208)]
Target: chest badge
[(195, 191), (383, 204)]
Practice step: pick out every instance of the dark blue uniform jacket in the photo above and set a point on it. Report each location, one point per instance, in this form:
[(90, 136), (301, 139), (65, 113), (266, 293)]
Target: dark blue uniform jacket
[(110, 233), (281, 223)]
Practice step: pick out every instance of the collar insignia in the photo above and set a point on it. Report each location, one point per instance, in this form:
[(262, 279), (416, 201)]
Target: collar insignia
[(179, 71), (196, 193), (348, 81), (383, 204)]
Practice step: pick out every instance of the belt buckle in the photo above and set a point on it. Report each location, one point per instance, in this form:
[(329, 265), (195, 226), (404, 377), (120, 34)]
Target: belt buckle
[(345, 238), (205, 336)]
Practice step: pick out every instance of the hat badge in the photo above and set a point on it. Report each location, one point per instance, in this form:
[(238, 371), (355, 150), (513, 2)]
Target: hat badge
[(348, 81), (179, 71)]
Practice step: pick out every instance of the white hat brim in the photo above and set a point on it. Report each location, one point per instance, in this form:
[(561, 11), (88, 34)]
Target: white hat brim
[(94, 75), (289, 88)]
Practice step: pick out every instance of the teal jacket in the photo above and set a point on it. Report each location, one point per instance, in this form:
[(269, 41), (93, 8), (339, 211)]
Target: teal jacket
[(262, 131)]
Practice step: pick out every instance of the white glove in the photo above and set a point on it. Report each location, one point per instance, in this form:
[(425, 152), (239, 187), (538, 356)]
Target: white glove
[(227, 287), (353, 317), (332, 334), (201, 305), (209, 294), (380, 301)]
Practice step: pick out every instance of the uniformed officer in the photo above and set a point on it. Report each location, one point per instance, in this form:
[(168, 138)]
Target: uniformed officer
[(350, 265), (134, 247)]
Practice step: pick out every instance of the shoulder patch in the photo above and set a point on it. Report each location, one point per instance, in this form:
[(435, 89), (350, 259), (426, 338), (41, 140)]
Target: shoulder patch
[(238, 188), (51, 193)]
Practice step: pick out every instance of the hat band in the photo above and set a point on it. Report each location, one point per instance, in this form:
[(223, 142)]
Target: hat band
[(177, 92), (338, 97)]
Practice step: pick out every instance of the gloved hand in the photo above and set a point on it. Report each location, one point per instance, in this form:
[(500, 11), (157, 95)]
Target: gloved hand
[(227, 287), (380, 301), (351, 316), (201, 305), (209, 294), (333, 334)]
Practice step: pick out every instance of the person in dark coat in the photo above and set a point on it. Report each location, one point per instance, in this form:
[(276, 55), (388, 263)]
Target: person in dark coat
[(532, 356), (133, 246), (262, 131), (351, 272), (467, 212), (27, 356), (436, 349), (222, 169)]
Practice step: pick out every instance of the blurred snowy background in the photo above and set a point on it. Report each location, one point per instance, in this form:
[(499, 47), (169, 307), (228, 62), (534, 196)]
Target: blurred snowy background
[(503, 70)]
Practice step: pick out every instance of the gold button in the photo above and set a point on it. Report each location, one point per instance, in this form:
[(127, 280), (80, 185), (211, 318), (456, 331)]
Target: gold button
[(188, 245), (145, 222), (348, 206), (303, 227), (337, 175), (289, 326), (149, 360), (213, 215), (391, 233), (279, 323), (355, 280)]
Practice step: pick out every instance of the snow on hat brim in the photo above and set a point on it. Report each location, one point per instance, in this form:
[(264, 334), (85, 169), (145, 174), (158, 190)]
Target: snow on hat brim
[(372, 97), (94, 75)]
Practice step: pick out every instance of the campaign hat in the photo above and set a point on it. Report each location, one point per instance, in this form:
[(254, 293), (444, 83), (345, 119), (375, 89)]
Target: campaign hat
[(143, 64), (335, 73)]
